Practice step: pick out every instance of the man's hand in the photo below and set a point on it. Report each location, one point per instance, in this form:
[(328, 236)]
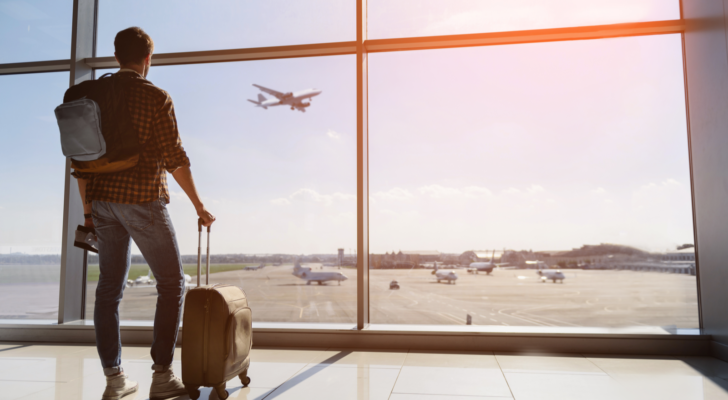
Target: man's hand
[(207, 217), (89, 223)]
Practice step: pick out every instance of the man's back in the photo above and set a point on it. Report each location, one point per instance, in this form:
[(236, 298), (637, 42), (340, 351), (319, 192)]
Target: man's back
[(152, 115)]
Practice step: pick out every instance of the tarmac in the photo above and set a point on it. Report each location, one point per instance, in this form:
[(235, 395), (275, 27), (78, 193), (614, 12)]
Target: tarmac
[(600, 298)]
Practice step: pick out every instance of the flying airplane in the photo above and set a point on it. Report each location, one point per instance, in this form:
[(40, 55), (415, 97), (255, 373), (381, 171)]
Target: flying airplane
[(554, 275), (320, 277), (295, 100), (486, 267), (449, 276), (249, 268)]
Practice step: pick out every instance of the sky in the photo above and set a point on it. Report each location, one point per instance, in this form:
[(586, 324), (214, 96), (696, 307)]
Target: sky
[(540, 146)]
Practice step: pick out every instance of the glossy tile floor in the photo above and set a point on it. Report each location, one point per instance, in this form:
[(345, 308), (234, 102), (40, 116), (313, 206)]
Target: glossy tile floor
[(73, 372)]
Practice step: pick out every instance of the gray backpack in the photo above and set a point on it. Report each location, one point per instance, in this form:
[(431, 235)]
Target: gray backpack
[(96, 129), (80, 124)]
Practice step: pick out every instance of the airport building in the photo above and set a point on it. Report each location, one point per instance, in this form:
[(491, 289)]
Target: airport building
[(585, 141)]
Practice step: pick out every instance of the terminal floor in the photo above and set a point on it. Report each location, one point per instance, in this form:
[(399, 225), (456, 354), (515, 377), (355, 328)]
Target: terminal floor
[(73, 372)]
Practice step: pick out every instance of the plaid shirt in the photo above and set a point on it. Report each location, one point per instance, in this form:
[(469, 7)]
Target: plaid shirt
[(152, 114)]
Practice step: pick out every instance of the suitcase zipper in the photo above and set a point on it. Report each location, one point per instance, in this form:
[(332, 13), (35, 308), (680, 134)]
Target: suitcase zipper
[(205, 338)]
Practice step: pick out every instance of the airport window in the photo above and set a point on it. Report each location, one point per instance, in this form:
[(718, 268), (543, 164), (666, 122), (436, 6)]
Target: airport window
[(281, 182), (31, 198), (410, 18), (229, 24), (551, 176), (564, 164), (35, 30)]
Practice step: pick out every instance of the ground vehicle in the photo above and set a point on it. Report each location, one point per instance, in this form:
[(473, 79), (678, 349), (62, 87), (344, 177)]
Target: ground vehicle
[(393, 285)]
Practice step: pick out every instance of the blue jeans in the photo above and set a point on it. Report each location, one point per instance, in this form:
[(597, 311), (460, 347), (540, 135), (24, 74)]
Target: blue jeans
[(151, 228)]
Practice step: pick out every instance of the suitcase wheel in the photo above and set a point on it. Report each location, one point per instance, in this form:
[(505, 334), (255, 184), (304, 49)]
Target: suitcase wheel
[(193, 392), (221, 392), (245, 379)]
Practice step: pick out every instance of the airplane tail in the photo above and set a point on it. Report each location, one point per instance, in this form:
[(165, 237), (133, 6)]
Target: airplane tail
[(260, 101)]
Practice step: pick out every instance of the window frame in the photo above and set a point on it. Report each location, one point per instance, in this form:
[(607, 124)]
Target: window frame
[(83, 63)]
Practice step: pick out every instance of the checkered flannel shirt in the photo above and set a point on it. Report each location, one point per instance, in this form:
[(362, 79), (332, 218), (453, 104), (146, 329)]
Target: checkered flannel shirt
[(152, 114)]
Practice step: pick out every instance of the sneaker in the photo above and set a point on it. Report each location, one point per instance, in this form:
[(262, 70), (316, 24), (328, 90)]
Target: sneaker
[(118, 386), (165, 385)]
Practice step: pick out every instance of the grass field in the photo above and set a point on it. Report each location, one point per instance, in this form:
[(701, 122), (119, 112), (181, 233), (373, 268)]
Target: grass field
[(137, 270)]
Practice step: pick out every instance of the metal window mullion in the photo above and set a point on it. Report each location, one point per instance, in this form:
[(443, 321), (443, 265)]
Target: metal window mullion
[(362, 169), (73, 261)]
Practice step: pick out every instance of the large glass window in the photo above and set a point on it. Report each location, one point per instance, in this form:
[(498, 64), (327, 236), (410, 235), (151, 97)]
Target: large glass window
[(551, 179), (35, 30), (405, 18), (281, 181), (31, 198), (188, 25)]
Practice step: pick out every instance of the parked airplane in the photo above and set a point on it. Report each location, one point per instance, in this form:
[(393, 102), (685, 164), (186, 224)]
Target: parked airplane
[(142, 280), (486, 267), (449, 276), (320, 277), (148, 281), (553, 275), (291, 99), (249, 268)]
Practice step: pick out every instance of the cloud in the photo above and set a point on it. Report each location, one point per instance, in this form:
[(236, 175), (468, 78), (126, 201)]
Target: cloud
[(535, 189), (333, 134), (438, 191), (599, 191), (177, 195), (394, 194), (477, 191), (511, 190), (306, 194), (280, 202)]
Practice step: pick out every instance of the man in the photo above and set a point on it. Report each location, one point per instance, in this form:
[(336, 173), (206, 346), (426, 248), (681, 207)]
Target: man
[(131, 204)]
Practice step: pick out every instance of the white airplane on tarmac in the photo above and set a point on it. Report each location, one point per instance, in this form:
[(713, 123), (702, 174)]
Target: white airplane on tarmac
[(147, 281), (441, 275), (486, 267), (553, 275), (320, 277), (295, 100)]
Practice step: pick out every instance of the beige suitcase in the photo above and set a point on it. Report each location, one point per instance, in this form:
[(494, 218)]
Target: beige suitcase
[(217, 334)]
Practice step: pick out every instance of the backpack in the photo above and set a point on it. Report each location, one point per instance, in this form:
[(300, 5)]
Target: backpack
[(96, 129)]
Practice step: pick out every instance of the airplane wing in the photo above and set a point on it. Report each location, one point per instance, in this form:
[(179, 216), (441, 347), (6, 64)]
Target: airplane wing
[(271, 92)]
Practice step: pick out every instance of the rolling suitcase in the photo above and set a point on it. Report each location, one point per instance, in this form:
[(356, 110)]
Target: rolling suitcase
[(217, 333)]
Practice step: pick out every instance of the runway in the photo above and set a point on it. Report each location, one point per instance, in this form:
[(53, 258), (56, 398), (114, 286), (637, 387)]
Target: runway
[(505, 298)]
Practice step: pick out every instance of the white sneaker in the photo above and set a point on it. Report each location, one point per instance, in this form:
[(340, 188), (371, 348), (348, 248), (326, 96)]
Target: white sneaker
[(118, 386), (166, 385)]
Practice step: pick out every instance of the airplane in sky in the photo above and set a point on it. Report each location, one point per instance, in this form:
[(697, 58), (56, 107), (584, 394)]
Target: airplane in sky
[(441, 275), (553, 275), (250, 268), (295, 100), (320, 277), (486, 267)]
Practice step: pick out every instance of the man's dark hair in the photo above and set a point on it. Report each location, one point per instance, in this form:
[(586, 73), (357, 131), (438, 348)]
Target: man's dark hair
[(132, 45)]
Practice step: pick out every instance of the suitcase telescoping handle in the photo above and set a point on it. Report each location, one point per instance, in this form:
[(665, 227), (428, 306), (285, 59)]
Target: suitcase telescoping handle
[(199, 254)]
